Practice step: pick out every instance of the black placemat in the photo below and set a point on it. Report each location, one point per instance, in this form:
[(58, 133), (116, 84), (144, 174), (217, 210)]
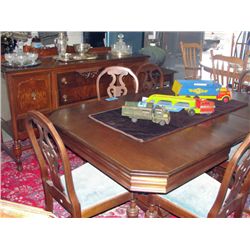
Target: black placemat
[(145, 130)]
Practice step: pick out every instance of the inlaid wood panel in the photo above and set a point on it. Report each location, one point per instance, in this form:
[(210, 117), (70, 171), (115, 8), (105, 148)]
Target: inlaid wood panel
[(32, 92)]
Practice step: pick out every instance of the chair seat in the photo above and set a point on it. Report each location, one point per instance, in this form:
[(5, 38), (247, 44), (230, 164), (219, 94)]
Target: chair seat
[(92, 186), (196, 196), (233, 150)]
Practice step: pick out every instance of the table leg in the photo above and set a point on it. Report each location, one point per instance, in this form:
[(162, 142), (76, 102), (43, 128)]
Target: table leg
[(151, 212), (146, 203), (132, 210)]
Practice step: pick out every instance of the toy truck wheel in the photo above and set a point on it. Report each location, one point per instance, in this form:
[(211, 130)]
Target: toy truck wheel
[(162, 123), (225, 99), (191, 112), (169, 119), (134, 120)]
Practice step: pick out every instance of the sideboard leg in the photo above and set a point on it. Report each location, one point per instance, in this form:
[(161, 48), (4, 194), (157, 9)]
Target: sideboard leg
[(15, 153), (17, 150)]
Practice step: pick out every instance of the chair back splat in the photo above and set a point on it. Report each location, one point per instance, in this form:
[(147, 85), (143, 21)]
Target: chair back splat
[(117, 78), (150, 77)]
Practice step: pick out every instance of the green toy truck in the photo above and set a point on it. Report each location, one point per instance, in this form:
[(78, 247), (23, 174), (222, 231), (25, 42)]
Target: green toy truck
[(146, 111)]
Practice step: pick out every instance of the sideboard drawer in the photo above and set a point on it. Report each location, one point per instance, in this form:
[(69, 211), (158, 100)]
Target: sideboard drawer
[(76, 86), (32, 91)]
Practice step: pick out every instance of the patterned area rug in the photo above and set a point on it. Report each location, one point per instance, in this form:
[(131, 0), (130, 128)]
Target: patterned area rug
[(26, 187)]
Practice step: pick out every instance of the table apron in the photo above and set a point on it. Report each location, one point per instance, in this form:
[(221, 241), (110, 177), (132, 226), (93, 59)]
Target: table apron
[(197, 169), (142, 182)]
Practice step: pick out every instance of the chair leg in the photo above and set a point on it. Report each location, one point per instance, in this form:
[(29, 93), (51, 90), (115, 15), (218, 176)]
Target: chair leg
[(48, 201)]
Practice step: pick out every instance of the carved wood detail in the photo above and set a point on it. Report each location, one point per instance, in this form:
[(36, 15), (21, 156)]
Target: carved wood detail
[(88, 74), (49, 151), (32, 94), (242, 169)]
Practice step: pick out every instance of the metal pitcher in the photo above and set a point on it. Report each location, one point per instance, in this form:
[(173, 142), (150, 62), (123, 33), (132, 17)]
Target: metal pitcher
[(61, 43)]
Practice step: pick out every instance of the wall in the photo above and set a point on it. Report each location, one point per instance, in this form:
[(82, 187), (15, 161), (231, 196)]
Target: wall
[(73, 36), (173, 39)]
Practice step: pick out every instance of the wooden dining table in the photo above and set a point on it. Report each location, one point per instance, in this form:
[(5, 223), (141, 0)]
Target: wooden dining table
[(156, 166)]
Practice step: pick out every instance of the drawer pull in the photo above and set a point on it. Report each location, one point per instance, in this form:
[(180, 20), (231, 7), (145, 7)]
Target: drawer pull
[(64, 80), (33, 95), (65, 98)]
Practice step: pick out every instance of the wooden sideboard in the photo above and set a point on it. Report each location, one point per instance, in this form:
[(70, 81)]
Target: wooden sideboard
[(49, 86)]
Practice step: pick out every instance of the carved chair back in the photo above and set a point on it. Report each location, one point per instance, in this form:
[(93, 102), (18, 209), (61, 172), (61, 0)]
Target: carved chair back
[(244, 81), (238, 173), (52, 157), (150, 76), (226, 69), (191, 56), (117, 86)]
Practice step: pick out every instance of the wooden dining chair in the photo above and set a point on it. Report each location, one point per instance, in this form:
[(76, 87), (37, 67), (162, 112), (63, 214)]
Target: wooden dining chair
[(226, 70), (204, 196), (84, 191), (115, 77), (191, 56), (150, 76), (244, 82)]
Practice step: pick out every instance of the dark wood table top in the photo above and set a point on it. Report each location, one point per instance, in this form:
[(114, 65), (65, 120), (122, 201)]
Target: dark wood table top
[(155, 166)]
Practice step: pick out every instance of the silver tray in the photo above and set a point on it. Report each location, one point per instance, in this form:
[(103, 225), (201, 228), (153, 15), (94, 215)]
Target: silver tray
[(18, 65), (75, 57)]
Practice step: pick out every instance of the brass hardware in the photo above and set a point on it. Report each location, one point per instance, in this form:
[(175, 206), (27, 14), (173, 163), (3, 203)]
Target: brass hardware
[(33, 95), (64, 80), (65, 98)]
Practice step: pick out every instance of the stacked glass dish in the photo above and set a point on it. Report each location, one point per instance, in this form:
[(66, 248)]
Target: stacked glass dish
[(20, 59)]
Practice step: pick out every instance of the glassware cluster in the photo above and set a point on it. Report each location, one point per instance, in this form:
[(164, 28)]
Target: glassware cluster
[(120, 48), (21, 59)]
